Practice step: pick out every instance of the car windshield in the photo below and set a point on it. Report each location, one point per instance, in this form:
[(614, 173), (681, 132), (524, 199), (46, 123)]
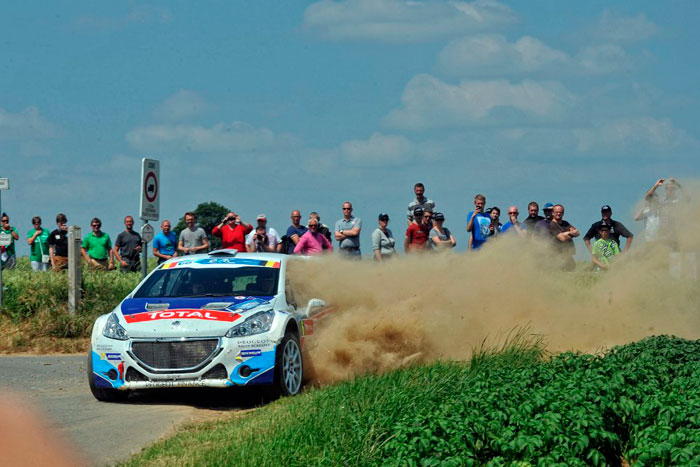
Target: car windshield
[(210, 282)]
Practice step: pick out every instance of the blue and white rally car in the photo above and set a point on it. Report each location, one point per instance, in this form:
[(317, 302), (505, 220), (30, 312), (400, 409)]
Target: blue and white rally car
[(212, 320)]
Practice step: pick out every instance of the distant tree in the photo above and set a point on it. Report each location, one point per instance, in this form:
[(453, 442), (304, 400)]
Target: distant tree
[(208, 216)]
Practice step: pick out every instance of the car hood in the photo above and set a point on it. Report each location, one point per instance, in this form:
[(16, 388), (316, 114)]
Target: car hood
[(188, 317)]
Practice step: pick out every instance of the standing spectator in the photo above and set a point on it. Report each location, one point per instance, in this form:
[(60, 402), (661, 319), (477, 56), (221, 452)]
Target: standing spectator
[(322, 228), (383, 240), (418, 232), (616, 230), (440, 237), (542, 226), (420, 202), (266, 239), (7, 253), (605, 247), (232, 231), (347, 232), (659, 214), (312, 242), (513, 222), (478, 224), (294, 233), (533, 217), (97, 248), (164, 243), (193, 239), (127, 247), (58, 244), (38, 240), (495, 215), (563, 234)]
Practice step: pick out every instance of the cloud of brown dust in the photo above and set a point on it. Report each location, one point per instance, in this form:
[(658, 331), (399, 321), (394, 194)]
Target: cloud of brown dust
[(442, 306)]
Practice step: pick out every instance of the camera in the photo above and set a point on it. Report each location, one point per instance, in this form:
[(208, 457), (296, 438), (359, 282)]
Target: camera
[(259, 237)]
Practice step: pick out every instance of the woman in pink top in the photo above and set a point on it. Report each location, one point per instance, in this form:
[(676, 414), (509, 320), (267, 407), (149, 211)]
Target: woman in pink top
[(312, 242)]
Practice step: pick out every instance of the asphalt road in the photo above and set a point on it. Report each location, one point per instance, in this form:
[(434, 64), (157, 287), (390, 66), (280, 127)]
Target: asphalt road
[(109, 432)]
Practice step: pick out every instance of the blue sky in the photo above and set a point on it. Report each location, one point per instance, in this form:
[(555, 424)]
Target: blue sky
[(272, 106)]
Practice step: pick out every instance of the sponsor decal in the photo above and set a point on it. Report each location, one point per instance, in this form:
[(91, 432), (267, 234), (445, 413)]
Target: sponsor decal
[(176, 264), (254, 343), (248, 305), (251, 353), (113, 356), (103, 347), (241, 261), (206, 315)]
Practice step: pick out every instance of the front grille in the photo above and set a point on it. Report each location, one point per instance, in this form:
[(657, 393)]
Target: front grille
[(218, 372), (132, 374), (175, 355)]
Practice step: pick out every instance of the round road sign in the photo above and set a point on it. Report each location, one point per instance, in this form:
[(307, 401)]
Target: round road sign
[(150, 187), (147, 233)]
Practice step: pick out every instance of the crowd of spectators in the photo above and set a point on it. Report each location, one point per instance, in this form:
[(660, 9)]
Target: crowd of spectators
[(425, 232)]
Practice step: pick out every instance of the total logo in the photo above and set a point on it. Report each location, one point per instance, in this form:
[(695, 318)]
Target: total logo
[(207, 315)]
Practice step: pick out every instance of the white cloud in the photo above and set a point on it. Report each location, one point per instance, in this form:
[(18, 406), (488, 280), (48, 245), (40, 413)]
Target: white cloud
[(403, 20), (25, 126), (634, 133), (180, 106), (222, 137), (603, 59), (492, 54), (378, 150), (613, 27), (139, 14), (430, 102)]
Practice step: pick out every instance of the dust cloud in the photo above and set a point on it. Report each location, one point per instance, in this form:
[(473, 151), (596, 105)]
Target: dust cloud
[(442, 306)]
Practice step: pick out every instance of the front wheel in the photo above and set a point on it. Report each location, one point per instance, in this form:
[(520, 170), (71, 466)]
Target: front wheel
[(289, 369), (103, 394)]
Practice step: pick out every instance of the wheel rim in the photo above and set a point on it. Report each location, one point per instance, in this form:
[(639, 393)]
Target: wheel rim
[(291, 367)]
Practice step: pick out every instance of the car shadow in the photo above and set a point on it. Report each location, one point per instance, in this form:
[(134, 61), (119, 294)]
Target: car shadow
[(228, 399)]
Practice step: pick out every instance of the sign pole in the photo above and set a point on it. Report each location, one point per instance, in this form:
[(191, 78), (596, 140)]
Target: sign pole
[(149, 207), (75, 272), (144, 254)]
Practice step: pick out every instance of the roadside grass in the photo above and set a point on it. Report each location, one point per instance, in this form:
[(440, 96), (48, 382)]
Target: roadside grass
[(35, 315), (638, 403)]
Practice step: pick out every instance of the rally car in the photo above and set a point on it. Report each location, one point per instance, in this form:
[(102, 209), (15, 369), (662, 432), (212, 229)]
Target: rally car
[(211, 320)]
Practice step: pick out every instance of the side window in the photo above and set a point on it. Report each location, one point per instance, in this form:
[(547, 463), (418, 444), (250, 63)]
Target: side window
[(289, 294)]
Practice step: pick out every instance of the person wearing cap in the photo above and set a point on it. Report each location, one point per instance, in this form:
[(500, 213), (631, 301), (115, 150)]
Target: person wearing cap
[(313, 242), (263, 238), (382, 239), (347, 233), (563, 235), (322, 228), (542, 226), (440, 237), (418, 232), (478, 224), (514, 224), (617, 230), (421, 201), (533, 217), (193, 239), (605, 248)]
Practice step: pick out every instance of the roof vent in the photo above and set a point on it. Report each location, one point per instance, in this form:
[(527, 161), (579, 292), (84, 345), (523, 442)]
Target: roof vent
[(224, 252)]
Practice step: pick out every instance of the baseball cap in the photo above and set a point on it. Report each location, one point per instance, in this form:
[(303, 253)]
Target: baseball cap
[(418, 212), (439, 216), (548, 206), (384, 216), (262, 217), (605, 207)]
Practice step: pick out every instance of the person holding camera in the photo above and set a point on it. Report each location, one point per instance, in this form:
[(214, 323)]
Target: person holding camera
[(232, 231), (478, 224), (263, 238)]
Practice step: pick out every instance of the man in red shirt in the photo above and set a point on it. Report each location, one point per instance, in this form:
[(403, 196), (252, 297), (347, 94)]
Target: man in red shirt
[(418, 231), (232, 231)]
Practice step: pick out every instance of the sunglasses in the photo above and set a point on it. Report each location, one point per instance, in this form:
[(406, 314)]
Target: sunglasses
[(96, 225), (347, 209), (514, 212)]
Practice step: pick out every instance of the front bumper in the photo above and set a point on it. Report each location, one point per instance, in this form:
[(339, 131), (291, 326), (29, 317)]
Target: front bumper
[(233, 362)]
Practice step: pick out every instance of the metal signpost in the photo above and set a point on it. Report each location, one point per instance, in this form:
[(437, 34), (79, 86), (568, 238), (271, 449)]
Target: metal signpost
[(150, 205), (75, 271), (5, 239)]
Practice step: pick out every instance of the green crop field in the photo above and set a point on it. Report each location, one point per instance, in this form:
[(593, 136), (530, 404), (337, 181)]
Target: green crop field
[(638, 403)]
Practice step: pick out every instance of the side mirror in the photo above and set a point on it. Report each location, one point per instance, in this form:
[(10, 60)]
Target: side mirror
[(314, 306)]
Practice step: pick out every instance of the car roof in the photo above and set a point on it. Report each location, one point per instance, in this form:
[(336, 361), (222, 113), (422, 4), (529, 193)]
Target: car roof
[(223, 258)]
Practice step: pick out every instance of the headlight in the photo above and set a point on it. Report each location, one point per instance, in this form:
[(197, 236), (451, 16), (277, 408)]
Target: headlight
[(259, 322), (114, 330)]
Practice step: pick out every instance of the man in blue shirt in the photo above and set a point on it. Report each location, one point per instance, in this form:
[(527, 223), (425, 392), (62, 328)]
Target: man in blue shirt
[(164, 243), (478, 223)]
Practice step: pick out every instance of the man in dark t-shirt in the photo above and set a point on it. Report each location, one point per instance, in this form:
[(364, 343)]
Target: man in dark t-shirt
[(533, 217), (127, 247), (617, 230), (58, 244), (563, 235)]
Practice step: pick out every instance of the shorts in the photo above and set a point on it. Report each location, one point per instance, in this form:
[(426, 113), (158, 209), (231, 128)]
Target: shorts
[(352, 253), (132, 265), (10, 262), (39, 266), (98, 264), (60, 263)]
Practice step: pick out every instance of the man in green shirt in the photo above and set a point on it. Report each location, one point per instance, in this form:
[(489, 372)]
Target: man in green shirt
[(38, 240), (7, 253), (97, 248), (605, 247)]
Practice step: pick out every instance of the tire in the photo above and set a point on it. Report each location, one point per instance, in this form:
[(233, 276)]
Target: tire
[(289, 367), (103, 394)]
